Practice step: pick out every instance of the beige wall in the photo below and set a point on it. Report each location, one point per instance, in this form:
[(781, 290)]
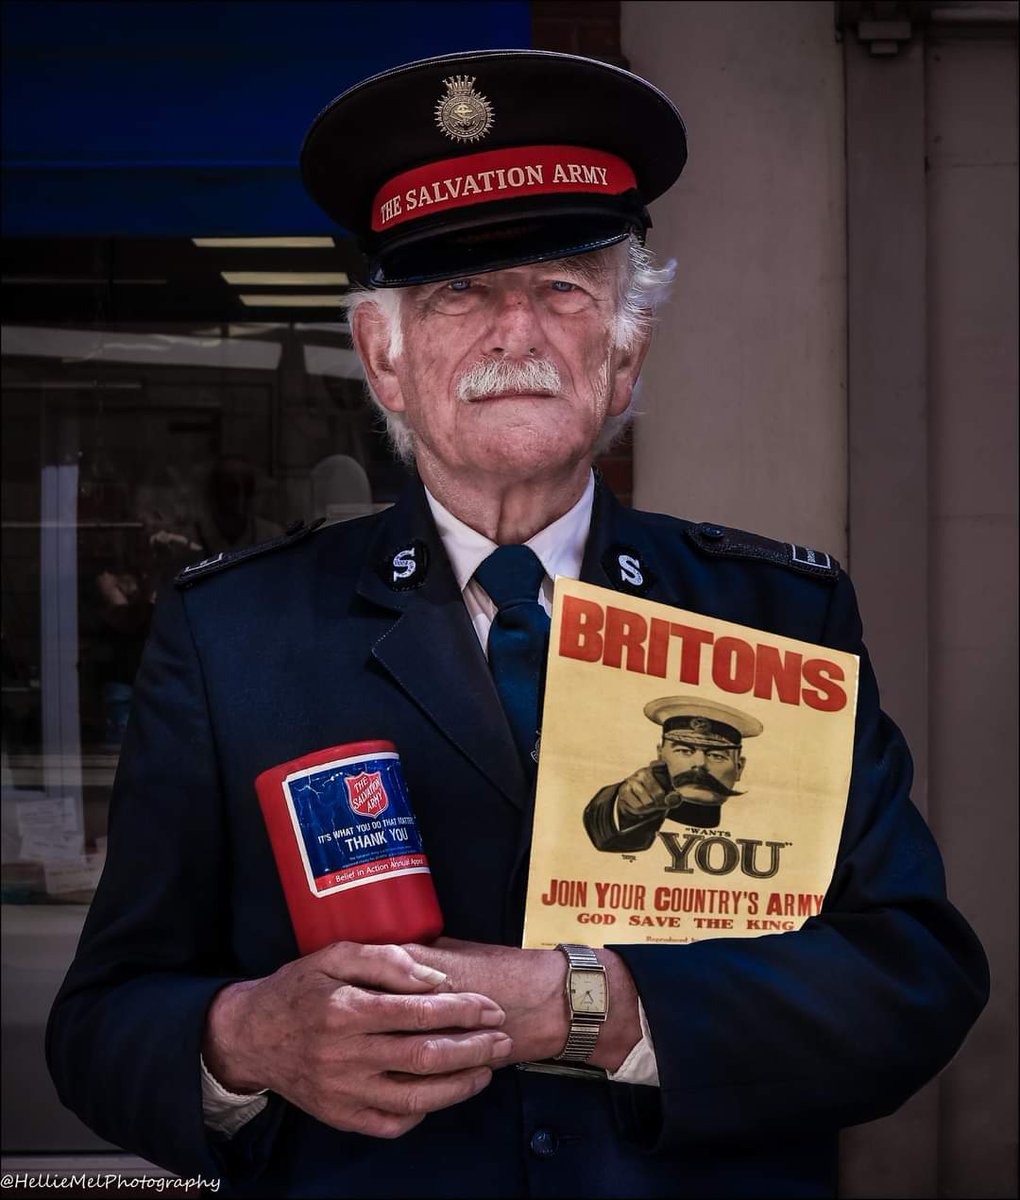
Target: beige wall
[(745, 386), (971, 87), (839, 367)]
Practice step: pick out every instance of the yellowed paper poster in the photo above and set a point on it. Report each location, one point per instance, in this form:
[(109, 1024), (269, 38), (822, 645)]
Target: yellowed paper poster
[(693, 775)]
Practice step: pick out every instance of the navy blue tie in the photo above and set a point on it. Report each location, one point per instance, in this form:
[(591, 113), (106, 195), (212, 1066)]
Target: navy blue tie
[(518, 638)]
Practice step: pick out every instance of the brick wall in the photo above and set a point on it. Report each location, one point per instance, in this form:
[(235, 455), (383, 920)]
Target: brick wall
[(591, 28)]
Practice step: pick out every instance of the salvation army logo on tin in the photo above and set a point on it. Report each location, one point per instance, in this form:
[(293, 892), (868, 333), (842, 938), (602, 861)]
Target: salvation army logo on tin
[(366, 793)]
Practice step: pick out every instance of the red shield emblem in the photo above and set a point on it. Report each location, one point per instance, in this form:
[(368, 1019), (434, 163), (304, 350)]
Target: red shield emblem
[(366, 794)]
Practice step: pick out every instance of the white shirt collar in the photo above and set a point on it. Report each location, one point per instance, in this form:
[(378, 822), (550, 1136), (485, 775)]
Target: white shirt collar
[(559, 546)]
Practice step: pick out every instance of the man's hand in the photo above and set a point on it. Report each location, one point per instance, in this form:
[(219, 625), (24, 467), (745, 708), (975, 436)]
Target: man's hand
[(641, 795), (529, 987), (357, 1036)]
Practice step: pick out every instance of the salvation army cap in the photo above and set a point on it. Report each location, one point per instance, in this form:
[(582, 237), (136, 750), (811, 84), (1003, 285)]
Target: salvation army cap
[(478, 161), (703, 722)]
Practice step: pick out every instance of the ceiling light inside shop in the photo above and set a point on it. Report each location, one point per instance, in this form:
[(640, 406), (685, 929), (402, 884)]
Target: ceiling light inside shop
[(263, 243), (76, 281), (270, 300), (286, 278)]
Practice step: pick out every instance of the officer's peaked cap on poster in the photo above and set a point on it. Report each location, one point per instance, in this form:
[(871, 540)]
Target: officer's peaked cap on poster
[(478, 161), (703, 722)]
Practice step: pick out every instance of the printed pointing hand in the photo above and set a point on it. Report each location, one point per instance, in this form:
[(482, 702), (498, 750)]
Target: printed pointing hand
[(357, 1036), (643, 794)]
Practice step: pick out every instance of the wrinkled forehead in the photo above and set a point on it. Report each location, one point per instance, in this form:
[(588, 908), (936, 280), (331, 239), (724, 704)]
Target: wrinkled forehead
[(598, 268)]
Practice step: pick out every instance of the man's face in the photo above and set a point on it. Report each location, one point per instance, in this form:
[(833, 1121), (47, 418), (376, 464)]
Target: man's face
[(545, 334), (701, 772)]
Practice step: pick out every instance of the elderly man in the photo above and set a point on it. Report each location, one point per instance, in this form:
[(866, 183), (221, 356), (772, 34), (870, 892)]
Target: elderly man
[(500, 200)]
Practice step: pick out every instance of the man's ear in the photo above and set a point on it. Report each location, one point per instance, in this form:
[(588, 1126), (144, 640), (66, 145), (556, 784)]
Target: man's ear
[(626, 370), (370, 329)]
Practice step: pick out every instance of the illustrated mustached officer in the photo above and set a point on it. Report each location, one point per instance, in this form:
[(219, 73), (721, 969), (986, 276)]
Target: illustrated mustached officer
[(700, 758)]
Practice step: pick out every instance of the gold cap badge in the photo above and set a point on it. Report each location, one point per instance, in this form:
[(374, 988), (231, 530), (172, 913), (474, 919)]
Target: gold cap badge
[(463, 114)]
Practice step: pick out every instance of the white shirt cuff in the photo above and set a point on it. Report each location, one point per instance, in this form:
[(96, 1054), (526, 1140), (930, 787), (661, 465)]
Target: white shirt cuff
[(639, 1066), (226, 1112)]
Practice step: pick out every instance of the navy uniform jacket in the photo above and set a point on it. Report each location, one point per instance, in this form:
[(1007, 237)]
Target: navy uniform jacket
[(765, 1046)]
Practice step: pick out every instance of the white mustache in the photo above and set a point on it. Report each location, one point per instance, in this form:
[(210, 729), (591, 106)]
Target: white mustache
[(495, 377)]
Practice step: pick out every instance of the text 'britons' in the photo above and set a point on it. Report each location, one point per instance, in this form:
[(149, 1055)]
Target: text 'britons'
[(616, 637)]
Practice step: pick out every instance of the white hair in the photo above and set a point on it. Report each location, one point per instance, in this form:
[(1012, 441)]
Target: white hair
[(643, 288)]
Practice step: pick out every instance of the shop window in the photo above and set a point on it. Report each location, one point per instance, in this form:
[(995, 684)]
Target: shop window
[(151, 418), (162, 401)]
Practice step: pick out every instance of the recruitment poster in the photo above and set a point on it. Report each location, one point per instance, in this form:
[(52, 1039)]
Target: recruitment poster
[(693, 775)]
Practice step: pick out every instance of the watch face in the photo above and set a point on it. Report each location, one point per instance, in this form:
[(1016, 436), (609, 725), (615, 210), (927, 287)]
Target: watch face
[(587, 991)]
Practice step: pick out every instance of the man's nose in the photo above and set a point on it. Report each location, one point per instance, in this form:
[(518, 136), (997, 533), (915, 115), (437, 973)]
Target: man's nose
[(516, 330)]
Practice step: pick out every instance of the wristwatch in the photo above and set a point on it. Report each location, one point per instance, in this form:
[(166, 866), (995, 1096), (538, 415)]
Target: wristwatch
[(587, 990)]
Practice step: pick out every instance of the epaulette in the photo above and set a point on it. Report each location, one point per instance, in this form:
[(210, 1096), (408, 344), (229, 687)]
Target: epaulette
[(230, 558), (723, 542)]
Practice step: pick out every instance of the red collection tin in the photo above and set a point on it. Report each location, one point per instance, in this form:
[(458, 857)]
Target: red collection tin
[(348, 849)]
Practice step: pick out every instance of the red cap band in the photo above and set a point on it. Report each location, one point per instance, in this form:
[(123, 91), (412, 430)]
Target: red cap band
[(498, 175)]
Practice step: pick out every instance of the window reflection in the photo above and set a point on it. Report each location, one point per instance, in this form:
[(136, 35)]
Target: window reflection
[(146, 426), (130, 450), (129, 453)]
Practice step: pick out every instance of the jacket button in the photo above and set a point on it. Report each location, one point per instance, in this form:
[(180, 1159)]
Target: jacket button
[(712, 531), (543, 1143)]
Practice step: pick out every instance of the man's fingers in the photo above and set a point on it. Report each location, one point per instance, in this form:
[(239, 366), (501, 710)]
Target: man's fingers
[(388, 967), (445, 1053), (409, 1100), (379, 1012), (403, 1078)]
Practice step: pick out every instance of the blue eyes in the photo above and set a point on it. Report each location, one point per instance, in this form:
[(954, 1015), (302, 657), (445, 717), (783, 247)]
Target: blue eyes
[(477, 294), (465, 285)]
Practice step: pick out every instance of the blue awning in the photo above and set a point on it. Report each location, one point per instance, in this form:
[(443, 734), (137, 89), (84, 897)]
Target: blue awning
[(176, 119)]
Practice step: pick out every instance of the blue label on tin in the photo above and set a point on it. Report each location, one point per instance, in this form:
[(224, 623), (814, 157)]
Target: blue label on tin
[(353, 822)]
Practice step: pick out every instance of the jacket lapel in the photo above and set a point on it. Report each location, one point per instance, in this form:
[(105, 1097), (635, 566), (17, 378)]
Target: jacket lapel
[(431, 650), (619, 555)]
